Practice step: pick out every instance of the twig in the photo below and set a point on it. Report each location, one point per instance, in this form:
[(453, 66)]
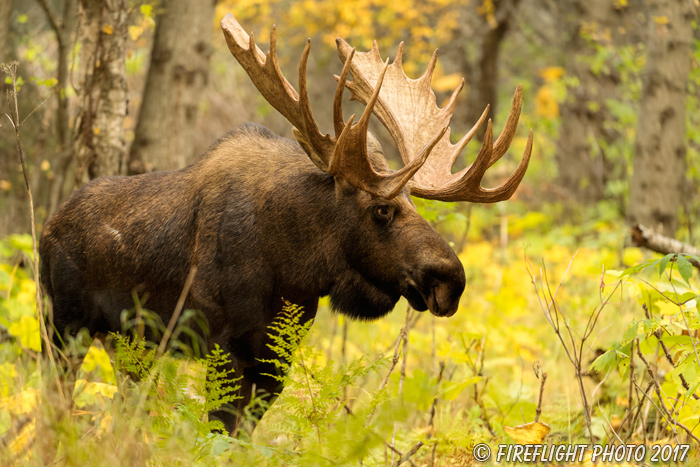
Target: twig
[(407, 457), (662, 407), (385, 381), (667, 354), (178, 310), (51, 16), (539, 403)]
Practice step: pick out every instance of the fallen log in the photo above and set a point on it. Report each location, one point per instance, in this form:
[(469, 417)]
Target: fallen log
[(644, 237)]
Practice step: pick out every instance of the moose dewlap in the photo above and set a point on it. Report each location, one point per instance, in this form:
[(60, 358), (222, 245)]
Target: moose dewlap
[(265, 219)]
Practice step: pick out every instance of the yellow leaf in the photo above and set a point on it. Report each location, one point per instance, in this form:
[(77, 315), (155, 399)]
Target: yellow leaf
[(529, 433), (668, 308), (5, 185), (447, 82), (97, 359), (551, 73), (23, 402), (661, 19), (24, 438), (135, 32), (45, 165), (8, 373), (107, 29), (545, 103), (96, 130), (27, 331)]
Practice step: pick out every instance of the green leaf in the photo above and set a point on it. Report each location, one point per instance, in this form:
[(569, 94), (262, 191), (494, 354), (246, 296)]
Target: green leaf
[(684, 268), (21, 19), (455, 389), (146, 10), (631, 333), (664, 262), (603, 363)]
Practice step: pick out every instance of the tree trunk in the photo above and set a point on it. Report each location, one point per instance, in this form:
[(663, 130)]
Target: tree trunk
[(484, 76), (100, 147), (164, 136), (582, 167), (658, 182), (63, 29)]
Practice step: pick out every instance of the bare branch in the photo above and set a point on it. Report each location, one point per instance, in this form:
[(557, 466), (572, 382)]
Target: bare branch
[(51, 16), (644, 237)]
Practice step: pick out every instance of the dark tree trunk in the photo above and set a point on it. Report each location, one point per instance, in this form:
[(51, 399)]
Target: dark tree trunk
[(658, 183), (164, 137), (484, 75), (100, 148)]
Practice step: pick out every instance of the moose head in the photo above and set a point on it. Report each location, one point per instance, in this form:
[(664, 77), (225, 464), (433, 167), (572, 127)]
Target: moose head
[(383, 237)]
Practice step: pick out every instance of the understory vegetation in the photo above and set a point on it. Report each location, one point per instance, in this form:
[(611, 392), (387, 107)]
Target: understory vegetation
[(563, 336)]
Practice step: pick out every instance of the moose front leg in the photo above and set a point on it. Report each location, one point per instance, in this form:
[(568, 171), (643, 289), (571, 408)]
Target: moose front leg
[(259, 379)]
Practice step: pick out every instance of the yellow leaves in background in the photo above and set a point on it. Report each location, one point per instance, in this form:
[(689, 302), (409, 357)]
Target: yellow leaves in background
[(529, 433), (8, 373), (447, 83), (27, 331), (546, 104), (145, 22), (422, 25), (108, 29), (551, 73), (487, 10)]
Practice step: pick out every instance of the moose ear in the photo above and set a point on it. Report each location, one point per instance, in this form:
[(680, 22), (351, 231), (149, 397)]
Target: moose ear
[(306, 146)]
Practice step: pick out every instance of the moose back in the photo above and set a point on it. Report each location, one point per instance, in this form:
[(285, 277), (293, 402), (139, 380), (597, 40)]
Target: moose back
[(265, 219)]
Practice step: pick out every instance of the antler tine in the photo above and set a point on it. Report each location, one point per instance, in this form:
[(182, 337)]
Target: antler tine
[(459, 147), (506, 137), (511, 184), (351, 161), (399, 56), (338, 122), (266, 75), (427, 77), (367, 114), (310, 126), (478, 168)]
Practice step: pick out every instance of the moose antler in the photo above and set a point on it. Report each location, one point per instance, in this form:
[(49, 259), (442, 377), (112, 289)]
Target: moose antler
[(345, 154), (408, 109)]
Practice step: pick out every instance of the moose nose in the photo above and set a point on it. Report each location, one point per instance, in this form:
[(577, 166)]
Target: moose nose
[(442, 285)]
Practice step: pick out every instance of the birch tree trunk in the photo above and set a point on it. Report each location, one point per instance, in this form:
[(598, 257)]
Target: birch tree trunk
[(658, 183), (179, 70), (100, 147)]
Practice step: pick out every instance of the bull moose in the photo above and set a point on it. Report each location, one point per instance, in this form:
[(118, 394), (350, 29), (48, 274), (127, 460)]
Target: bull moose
[(266, 219)]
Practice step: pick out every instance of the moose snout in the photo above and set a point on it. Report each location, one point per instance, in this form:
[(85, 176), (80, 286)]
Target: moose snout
[(440, 284)]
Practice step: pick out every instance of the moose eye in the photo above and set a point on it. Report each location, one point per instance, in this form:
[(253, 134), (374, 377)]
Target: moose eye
[(383, 213)]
